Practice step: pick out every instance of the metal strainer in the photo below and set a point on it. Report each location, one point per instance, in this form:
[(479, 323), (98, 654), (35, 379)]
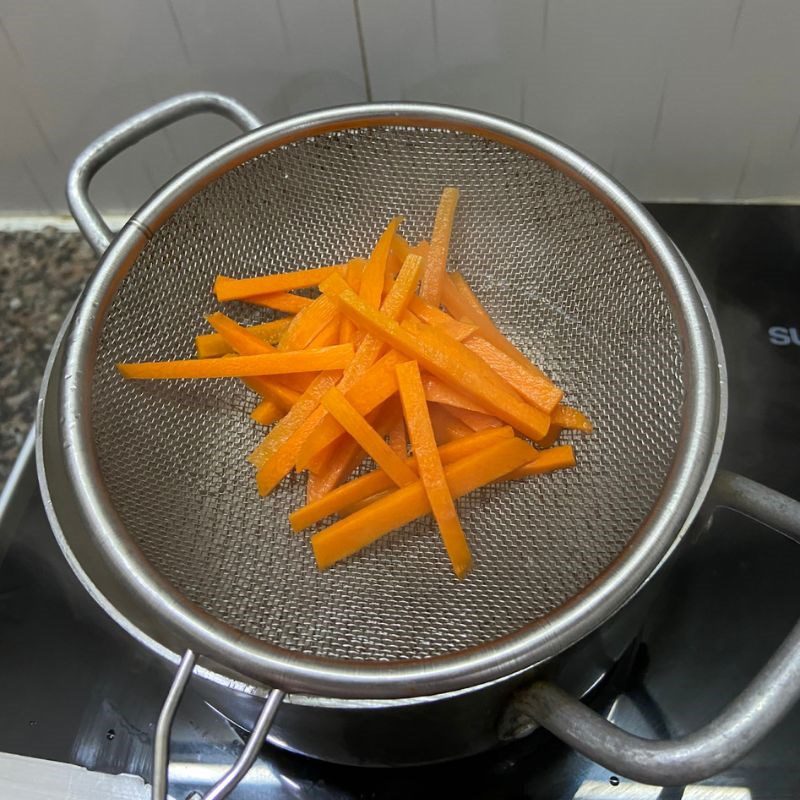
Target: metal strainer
[(573, 270)]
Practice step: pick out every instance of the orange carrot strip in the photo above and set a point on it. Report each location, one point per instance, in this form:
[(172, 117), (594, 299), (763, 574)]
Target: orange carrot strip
[(280, 464), (454, 329), (400, 247), (550, 437), (538, 391), (462, 303), (238, 289), (372, 278), (393, 264), (421, 249), (349, 454), (314, 490), (444, 357), (439, 319), (213, 344), (475, 420), (370, 440), (298, 414), (436, 260), (394, 305), (335, 357), (328, 335), (280, 301), (374, 387), (243, 341), (568, 417), (349, 535), (561, 457), (308, 323), (355, 268), (429, 466), (344, 497), (239, 339), (437, 391), (366, 355), (266, 412), (446, 427), (271, 389), (397, 438)]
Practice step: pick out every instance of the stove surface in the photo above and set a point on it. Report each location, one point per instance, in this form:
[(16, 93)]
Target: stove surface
[(74, 688)]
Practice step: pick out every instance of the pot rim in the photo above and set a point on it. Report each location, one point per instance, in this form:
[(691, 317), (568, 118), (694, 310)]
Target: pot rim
[(682, 492)]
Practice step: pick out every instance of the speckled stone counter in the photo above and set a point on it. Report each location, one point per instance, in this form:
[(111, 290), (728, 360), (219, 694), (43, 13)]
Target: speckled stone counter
[(41, 273)]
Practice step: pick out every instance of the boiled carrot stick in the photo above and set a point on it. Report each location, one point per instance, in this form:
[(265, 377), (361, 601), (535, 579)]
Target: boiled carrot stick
[(373, 275), (433, 315), (475, 420), (436, 260), (366, 355), (397, 438), (446, 427), (355, 268), (400, 247), (348, 536), (266, 412), (358, 489), (561, 457), (462, 303), (243, 341), (429, 466), (370, 440), (298, 414), (227, 289), (374, 387), (437, 391), (538, 390), (308, 323), (550, 437), (335, 357), (280, 301), (272, 389), (349, 454), (213, 344), (341, 463), (421, 249), (568, 417), (280, 463), (328, 336), (444, 357), (452, 327)]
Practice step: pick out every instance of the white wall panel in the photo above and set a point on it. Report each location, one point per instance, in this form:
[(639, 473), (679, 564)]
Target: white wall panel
[(678, 99)]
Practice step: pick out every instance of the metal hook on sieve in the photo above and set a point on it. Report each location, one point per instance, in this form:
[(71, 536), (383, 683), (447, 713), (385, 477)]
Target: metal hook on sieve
[(225, 785)]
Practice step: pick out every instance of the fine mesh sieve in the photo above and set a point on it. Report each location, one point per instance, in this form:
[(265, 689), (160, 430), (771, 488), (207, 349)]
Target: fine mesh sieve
[(565, 274)]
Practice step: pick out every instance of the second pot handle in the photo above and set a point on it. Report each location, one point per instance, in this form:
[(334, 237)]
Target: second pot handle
[(127, 133), (724, 740), (228, 782)]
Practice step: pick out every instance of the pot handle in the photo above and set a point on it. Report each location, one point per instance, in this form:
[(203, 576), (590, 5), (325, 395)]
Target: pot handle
[(228, 782), (724, 740), (128, 133)]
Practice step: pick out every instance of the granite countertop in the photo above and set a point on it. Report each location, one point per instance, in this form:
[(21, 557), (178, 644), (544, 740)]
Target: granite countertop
[(41, 273)]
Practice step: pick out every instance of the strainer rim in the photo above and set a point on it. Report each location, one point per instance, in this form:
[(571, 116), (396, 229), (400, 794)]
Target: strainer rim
[(531, 644)]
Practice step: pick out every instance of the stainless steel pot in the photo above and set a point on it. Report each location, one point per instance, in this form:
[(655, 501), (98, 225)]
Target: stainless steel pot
[(456, 702)]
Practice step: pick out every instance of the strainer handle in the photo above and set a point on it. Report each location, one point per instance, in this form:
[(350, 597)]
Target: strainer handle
[(228, 782), (128, 133), (724, 740)]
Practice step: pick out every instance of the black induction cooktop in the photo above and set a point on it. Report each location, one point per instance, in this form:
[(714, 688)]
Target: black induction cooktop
[(76, 689)]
